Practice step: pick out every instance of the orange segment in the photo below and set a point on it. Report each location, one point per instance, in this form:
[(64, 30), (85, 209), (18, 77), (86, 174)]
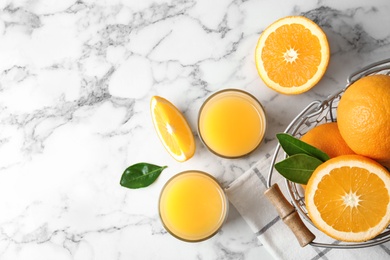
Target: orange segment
[(348, 198), (172, 129), (292, 55)]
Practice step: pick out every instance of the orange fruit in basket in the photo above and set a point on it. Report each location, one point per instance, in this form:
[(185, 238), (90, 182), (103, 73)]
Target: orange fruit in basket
[(292, 55), (327, 138), (363, 117), (172, 129), (348, 198)]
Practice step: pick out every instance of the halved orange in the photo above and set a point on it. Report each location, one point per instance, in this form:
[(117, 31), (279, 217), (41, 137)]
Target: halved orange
[(292, 55), (348, 198), (172, 129)]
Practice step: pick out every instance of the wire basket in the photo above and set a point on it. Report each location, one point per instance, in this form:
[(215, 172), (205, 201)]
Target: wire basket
[(316, 113)]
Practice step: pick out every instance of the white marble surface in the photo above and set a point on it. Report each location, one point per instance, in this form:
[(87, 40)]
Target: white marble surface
[(76, 78)]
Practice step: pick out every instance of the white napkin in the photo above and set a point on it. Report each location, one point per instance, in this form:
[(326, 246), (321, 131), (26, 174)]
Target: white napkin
[(246, 194)]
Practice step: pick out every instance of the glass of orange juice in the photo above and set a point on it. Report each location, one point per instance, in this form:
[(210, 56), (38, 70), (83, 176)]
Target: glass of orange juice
[(193, 206), (231, 123)]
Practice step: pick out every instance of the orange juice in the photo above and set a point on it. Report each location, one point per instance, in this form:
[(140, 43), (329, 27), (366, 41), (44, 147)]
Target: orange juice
[(231, 123), (192, 206)]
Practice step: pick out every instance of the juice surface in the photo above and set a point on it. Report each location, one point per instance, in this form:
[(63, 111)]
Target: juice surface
[(192, 206), (232, 124)]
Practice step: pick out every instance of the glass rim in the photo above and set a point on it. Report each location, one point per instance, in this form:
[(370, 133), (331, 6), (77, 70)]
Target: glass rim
[(251, 97), (225, 202)]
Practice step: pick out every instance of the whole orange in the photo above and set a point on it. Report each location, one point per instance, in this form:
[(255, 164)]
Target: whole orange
[(327, 138), (363, 117)]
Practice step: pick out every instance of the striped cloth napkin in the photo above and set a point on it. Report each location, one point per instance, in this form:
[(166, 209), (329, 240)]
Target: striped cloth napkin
[(246, 194)]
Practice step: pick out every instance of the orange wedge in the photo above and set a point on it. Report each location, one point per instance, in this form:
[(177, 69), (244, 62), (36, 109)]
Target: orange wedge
[(348, 198), (172, 129), (292, 55)]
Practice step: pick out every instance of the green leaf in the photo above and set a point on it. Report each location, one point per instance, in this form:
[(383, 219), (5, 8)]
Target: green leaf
[(292, 146), (140, 175), (298, 168)]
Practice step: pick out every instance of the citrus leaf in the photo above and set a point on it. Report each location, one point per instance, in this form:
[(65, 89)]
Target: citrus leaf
[(140, 175), (292, 146), (298, 168)]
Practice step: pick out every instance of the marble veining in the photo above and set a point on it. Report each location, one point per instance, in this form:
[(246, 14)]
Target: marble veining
[(76, 78)]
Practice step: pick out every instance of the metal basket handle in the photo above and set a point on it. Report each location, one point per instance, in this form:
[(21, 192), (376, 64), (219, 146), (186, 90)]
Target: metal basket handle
[(367, 70), (308, 112)]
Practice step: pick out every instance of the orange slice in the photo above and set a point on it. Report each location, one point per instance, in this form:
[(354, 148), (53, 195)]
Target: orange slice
[(348, 198), (292, 55), (172, 129)]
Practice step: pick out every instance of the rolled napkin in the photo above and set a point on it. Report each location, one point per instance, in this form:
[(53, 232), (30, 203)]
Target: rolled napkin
[(246, 194)]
